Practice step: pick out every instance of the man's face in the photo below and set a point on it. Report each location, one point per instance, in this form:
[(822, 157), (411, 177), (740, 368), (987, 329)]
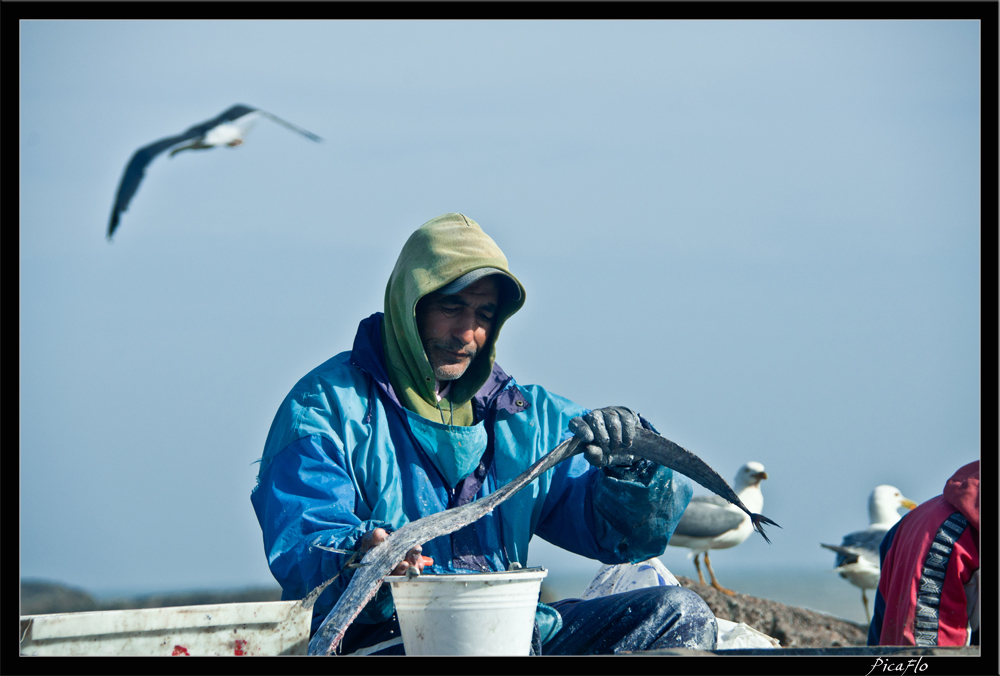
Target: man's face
[(455, 327)]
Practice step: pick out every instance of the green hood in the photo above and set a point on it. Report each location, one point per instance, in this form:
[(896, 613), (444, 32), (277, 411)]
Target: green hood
[(438, 252)]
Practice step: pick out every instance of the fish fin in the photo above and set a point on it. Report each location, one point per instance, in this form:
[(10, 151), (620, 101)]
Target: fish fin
[(758, 525)]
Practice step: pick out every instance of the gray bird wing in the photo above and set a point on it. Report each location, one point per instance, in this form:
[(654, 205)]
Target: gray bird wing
[(136, 167), (132, 177), (307, 134), (708, 517), (862, 543)]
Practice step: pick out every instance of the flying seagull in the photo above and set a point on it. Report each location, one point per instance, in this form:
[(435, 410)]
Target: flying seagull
[(709, 522), (229, 128), (857, 556)]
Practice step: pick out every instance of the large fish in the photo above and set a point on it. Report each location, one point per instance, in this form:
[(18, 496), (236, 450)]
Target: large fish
[(381, 559)]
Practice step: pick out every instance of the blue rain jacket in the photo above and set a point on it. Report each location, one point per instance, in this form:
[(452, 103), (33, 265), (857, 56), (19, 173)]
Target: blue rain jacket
[(340, 460)]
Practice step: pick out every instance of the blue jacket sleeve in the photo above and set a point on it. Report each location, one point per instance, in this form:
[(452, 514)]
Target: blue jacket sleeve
[(304, 498)]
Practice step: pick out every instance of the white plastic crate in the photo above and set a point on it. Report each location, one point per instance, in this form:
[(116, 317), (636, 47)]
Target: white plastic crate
[(233, 629)]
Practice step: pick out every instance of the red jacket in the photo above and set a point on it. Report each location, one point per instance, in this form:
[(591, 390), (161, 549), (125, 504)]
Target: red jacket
[(928, 558)]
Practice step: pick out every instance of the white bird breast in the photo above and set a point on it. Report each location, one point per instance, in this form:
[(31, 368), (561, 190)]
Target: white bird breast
[(230, 131), (861, 574)]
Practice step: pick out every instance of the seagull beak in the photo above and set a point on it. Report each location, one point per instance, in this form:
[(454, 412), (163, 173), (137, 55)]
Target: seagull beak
[(909, 504)]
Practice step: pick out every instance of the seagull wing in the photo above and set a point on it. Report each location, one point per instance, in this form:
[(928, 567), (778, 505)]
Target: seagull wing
[(134, 171), (234, 113), (845, 555), (860, 544), (136, 167), (868, 540), (708, 517), (307, 134)]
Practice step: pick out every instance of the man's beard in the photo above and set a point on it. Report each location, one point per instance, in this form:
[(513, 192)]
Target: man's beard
[(449, 371)]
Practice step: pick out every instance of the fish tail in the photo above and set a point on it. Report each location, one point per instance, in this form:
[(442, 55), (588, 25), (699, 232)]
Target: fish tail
[(758, 521)]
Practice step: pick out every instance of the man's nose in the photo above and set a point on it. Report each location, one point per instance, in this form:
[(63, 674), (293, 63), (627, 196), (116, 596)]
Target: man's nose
[(465, 328)]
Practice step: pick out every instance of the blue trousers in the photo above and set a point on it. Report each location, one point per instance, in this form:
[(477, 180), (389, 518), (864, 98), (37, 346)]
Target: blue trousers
[(652, 618)]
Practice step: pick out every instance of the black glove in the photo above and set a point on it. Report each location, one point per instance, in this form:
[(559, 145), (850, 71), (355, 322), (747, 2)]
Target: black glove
[(605, 433)]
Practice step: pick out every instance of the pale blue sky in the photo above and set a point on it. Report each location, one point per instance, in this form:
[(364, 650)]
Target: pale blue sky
[(763, 236)]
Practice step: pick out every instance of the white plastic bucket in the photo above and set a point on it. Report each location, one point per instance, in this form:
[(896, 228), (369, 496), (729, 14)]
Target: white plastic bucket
[(474, 614)]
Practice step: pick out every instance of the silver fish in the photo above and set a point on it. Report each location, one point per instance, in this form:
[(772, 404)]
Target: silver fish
[(381, 559)]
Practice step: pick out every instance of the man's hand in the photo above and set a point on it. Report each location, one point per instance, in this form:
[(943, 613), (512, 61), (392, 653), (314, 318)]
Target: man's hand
[(605, 433), (413, 557)]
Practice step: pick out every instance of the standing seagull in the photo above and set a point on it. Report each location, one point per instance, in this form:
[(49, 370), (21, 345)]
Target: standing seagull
[(229, 128), (709, 522), (857, 556)]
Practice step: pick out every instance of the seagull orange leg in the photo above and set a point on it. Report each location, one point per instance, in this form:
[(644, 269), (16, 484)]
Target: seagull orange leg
[(715, 583), (701, 578)]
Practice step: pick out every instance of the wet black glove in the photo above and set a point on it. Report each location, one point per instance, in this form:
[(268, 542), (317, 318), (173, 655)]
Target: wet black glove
[(605, 434)]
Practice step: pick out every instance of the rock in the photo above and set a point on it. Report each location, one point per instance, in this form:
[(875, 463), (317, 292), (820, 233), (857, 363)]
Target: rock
[(793, 627), (194, 598), (39, 597)]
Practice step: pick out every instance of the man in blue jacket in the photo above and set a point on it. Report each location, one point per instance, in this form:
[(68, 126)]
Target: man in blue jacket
[(418, 418)]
